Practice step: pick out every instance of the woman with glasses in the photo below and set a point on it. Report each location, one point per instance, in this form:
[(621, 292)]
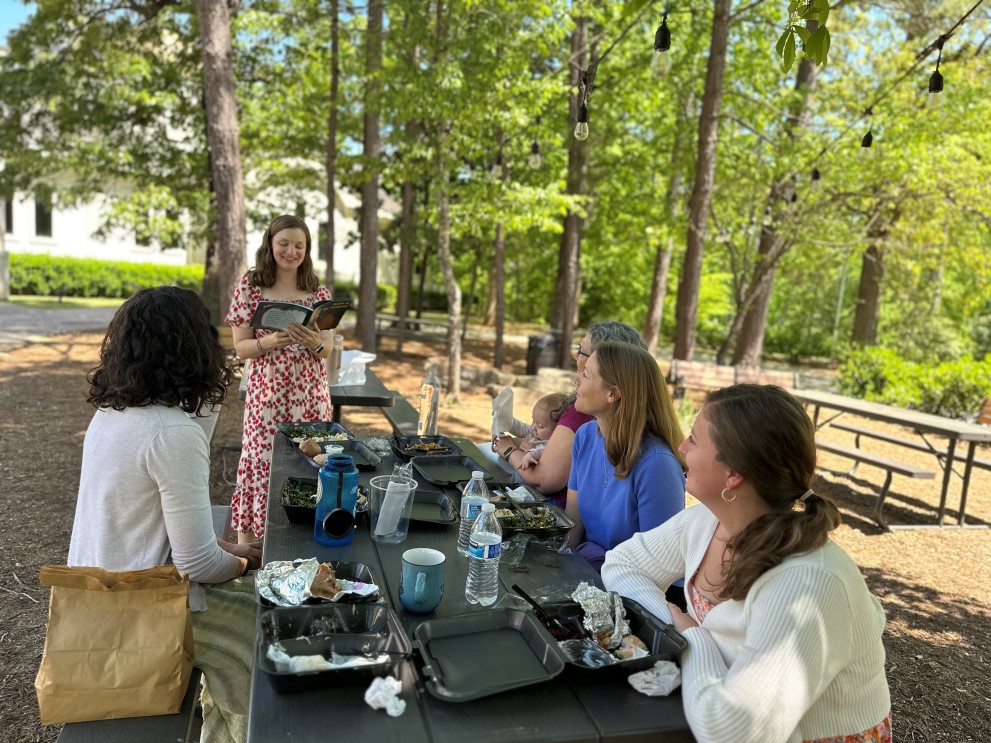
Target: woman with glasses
[(625, 475), (550, 474)]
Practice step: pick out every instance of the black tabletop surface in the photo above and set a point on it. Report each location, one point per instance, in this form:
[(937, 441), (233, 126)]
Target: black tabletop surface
[(571, 707)]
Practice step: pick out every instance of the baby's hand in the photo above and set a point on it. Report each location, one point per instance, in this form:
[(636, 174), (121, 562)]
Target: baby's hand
[(528, 461)]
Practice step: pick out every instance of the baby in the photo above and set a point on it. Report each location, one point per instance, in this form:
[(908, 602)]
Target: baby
[(546, 413)]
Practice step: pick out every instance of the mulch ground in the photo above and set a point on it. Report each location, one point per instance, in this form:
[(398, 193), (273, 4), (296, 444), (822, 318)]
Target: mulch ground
[(932, 582)]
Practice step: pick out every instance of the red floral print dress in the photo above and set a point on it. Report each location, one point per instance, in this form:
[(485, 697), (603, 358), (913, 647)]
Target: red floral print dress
[(880, 733), (287, 384)]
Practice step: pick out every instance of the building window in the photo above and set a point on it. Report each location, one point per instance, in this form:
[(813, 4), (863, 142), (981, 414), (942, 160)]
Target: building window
[(8, 216), (43, 214)]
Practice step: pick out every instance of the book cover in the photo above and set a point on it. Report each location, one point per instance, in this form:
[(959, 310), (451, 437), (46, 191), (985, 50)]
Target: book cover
[(276, 315)]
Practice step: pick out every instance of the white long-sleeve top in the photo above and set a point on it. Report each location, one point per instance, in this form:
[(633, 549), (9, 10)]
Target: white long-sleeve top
[(144, 497), (799, 658)]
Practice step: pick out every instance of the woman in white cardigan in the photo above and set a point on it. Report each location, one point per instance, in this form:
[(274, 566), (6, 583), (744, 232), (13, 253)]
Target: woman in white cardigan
[(784, 638)]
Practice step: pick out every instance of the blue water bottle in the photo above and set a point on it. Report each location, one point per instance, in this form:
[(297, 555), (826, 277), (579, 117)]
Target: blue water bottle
[(337, 495)]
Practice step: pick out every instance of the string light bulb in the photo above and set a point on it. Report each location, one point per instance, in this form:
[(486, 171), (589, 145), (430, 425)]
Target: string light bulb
[(936, 79), (662, 37), (581, 128), (534, 160)]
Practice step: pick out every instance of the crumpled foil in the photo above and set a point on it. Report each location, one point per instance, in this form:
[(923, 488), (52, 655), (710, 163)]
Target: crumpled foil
[(287, 583), (604, 614)]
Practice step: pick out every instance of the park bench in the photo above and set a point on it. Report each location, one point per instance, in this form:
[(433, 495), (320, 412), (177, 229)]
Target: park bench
[(180, 727), (402, 416), (890, 466), (388, 325), (706, 376)]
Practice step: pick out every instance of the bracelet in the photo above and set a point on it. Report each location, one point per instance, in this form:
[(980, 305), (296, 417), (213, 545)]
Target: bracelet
[(510, 450), (318, 349), (261, 349)]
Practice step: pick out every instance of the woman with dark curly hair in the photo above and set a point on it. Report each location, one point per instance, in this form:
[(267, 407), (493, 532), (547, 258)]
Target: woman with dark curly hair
[(784, 638), (144, 488), (286, 378)]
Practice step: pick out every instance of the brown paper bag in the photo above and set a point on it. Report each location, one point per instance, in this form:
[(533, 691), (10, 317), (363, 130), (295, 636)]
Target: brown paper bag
[(118, 644)]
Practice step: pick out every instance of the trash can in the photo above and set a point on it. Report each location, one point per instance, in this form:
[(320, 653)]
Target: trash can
[(541, 351)]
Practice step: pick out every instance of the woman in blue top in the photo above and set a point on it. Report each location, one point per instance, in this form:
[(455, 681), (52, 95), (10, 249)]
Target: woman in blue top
[(626, 476)]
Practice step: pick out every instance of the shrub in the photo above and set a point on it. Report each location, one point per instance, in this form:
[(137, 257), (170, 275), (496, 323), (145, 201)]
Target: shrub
[(952, 388), (47, 275)]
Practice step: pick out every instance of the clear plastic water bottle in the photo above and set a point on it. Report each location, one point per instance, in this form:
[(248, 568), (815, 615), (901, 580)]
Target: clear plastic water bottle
[(485, 546), (475, 495)]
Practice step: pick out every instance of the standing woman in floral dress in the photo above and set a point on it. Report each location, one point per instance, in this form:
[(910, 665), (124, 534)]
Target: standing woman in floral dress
[(286, 379)]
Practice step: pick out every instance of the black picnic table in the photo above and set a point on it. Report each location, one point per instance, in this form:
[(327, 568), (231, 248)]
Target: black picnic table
[(578, 708)]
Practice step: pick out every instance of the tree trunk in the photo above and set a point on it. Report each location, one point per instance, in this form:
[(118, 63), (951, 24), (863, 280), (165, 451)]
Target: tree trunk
[(748, 348), (405, 288), (497, 287), (705, 168), (662, 261), (4, 255), (367, 287), (565, 295), (335, 73), (451, 287), (225, 152), (869, 294)]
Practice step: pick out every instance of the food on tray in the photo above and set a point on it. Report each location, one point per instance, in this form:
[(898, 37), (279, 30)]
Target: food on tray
[(325, 583), (427, 447), (310, 447), (504, 513), (298, 433), (534, 518), (631, 647), (321, 459), (299, 494)]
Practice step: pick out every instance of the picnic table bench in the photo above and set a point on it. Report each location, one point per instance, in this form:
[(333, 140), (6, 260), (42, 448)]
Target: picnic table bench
[(388, 325), (703, 375)]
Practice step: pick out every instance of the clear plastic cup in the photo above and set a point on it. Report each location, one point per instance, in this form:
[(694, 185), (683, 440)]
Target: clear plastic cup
[(391, 506)]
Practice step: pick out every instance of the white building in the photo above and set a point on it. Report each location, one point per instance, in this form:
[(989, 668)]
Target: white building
[(36, 225)]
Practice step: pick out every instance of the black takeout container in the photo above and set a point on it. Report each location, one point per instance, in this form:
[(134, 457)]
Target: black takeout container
[(562, 522), (433, 508), (662, 640), (288, 428), (355, 629), (475, 655), (404, 446), (300, 514), (448, 469)]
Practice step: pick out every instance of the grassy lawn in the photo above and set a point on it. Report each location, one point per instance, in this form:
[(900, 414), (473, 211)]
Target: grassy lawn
[(53, 303)]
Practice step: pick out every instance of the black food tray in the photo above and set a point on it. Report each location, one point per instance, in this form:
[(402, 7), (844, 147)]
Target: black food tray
[(363, 456), (350, 629), (499, 499), (300, 514), (449, 469), (476, 655), (433, 508), (563, 523), (292, 430), (402, 446), (662, 640), (356, 572)]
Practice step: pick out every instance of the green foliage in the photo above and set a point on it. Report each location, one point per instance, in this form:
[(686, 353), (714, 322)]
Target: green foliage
[(814, 43), (952, 388), (46, 275)]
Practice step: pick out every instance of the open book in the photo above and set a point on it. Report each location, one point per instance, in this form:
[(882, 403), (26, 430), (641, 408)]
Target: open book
[(275, 315)]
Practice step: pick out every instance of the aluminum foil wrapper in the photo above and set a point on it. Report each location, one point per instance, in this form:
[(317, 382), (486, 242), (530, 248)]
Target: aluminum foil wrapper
[(287, 583), (604, 614)]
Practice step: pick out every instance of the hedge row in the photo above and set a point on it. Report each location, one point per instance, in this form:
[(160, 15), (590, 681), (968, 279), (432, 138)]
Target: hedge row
[(46, 275), (954, 389)]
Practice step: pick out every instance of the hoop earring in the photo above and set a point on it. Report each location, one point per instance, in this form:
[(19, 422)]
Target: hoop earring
[(723, 496)]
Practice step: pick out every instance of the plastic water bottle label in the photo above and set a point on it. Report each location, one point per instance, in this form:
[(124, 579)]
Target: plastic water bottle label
[(473, 510), (484, 551)]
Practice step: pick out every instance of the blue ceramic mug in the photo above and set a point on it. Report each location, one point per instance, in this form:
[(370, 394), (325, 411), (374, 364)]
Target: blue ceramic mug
[(422, 584)]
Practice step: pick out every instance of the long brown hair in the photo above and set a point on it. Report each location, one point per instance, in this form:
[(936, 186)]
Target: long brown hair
[(764, 434), (644, 406), (265, 269)]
